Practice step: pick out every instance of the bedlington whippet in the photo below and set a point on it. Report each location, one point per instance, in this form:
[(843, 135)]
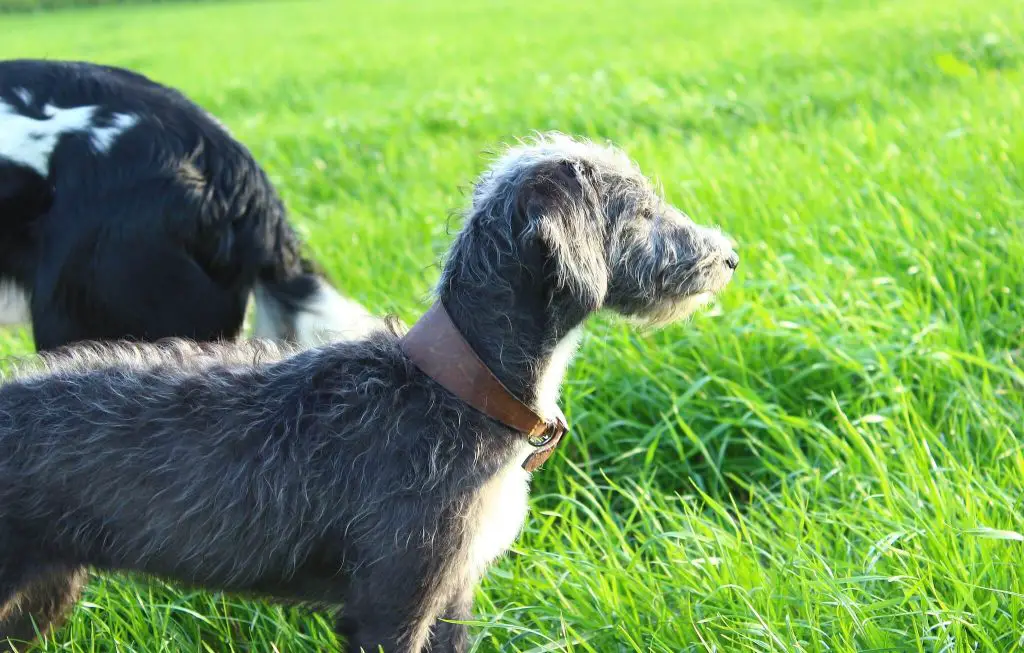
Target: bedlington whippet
[(381, 475)]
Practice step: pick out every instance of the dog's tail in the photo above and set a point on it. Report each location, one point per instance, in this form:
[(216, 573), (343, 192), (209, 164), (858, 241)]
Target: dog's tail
[(295, 303)]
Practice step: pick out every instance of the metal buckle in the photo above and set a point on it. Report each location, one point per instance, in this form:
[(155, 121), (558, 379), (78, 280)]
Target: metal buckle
[(546, 442), (553, 431)]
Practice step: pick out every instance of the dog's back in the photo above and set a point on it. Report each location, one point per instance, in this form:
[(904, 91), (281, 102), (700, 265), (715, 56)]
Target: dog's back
[(134, 213), (76, 134), (137, 466), (242, 466)]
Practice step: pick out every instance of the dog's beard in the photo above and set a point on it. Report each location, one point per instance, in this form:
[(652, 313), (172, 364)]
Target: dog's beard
[(683, 307), (668, 313), (677, 311)]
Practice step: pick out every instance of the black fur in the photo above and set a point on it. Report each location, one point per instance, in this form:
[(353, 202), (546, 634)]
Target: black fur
[(165, 232)]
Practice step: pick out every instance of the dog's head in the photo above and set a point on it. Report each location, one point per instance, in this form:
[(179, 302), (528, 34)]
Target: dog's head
[(607, 239)]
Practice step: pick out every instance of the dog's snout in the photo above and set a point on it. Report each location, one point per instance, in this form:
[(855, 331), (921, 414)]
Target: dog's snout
[(732, 260)]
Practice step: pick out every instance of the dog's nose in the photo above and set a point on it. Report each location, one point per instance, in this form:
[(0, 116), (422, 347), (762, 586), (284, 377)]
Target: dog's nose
[(732, 260)]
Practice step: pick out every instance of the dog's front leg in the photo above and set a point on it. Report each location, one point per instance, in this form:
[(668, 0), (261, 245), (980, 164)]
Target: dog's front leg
[(380, 618), (447, 637), (42, 604), (367, 635)]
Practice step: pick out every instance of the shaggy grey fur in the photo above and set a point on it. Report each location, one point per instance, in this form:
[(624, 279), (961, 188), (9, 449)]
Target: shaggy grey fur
[(342, 475)]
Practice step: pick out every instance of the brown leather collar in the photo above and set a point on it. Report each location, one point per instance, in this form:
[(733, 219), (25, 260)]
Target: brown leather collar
[(435, 345)]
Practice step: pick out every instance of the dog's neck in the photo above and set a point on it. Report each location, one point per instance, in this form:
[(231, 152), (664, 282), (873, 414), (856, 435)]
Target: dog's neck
[(524, 340)]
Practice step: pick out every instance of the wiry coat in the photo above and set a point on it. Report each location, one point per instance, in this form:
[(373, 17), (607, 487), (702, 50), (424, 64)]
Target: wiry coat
[(342, 474), (238, 474)]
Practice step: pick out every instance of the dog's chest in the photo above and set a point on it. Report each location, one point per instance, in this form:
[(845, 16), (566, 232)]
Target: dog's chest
[(499, 513), (503, 502)]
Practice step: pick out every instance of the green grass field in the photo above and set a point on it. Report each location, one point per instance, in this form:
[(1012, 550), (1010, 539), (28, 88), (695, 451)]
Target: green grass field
[(830, 458)]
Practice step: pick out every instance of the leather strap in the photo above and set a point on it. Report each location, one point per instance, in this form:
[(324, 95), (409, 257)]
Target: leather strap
[(435, 345)]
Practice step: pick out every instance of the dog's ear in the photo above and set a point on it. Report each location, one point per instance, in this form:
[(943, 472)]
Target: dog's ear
[(567, 217)]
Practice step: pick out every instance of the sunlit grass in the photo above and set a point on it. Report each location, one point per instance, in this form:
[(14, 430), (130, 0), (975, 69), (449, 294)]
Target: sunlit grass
[(827, 460)]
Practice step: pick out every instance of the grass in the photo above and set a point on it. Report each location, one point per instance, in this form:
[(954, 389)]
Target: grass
[(829, 459)]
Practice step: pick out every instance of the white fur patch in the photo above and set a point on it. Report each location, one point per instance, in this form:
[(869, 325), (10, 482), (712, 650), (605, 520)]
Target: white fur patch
[(550, 383), (14, 305), (30, 142), (103, 138), (330, 317), (503, 502), (500, 512)]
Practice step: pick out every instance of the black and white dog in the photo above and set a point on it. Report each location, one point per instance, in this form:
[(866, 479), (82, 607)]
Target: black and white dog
[(129, 212)]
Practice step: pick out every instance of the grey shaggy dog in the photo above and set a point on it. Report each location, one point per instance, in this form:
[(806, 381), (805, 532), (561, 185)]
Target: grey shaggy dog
[(341, 475)]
